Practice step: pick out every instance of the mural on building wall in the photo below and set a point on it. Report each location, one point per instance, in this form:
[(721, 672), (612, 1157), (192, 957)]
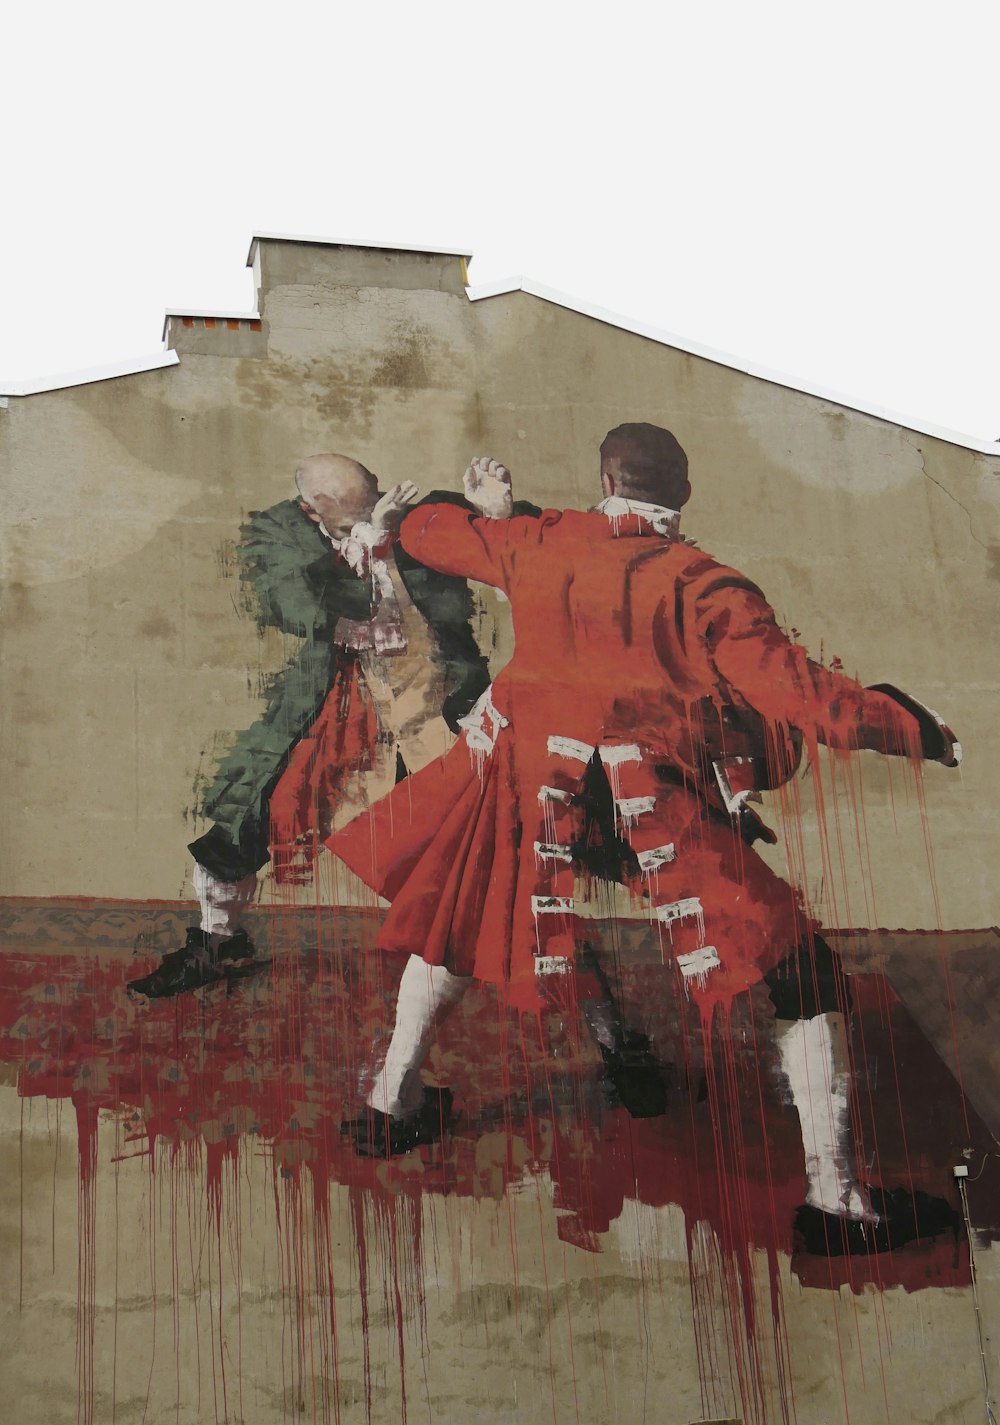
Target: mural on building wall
[(505, 1021)]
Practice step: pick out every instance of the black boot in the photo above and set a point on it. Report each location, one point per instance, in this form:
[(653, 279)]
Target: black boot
[(902, 1217), (186, 969), (195, 965), (237, 957), (377, 1135), (638, 1077)]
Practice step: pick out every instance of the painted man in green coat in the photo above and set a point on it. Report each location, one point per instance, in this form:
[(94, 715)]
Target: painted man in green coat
[(387, 666)]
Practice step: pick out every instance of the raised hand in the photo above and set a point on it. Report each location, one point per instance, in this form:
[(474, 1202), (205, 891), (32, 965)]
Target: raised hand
[(487, 486), (391, 506)]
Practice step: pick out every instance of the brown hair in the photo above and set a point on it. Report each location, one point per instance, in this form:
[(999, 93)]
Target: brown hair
[(652, 464)]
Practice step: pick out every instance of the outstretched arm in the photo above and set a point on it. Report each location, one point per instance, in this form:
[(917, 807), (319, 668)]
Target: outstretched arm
[(761, 665), (477, 539)]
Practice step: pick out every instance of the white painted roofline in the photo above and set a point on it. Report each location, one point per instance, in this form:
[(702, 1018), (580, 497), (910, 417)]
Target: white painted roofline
[(723, 358), (497, 289), (182, 312), (132, 367), (465, 252)]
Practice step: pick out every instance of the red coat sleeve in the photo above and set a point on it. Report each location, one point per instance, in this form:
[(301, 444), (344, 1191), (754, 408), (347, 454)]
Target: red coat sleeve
[(760, 665), (456, 541)]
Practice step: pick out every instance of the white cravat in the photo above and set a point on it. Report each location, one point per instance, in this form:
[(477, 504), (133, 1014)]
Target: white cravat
[(663, 520), (384, 631)]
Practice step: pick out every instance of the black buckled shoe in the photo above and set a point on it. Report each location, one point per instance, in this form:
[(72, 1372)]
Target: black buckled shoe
[(638, 1077), (236, 950), (196, 965), (189, 968), (901, 1217), (237, 957), (377, 1135)]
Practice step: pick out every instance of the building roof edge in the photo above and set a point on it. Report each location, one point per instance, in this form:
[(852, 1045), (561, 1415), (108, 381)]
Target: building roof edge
[(133, 366), (735, 363), (355, 242)]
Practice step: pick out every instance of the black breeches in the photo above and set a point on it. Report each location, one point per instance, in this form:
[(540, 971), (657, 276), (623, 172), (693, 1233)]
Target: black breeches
[(809, 981)]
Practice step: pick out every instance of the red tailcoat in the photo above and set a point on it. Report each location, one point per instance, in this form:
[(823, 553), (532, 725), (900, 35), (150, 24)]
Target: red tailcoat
[(642, 651)]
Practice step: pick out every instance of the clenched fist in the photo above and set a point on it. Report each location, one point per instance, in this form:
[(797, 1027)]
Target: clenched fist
[(487, 486)]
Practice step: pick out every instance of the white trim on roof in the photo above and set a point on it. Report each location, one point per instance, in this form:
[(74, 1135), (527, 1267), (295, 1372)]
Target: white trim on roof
[(133, 367), (465, 252), (496, 289), (722, 358)]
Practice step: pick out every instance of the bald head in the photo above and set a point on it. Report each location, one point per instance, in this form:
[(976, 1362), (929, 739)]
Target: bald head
[(336, 491)]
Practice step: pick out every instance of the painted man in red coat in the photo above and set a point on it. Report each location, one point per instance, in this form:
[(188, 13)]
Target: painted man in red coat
[(644, 666)]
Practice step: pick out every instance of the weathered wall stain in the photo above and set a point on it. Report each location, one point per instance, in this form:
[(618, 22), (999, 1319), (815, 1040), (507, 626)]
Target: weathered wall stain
[(178, 1179)]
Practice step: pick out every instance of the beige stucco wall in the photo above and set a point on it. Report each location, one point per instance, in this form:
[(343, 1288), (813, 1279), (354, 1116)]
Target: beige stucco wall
[(203, 1318), (127, 663)]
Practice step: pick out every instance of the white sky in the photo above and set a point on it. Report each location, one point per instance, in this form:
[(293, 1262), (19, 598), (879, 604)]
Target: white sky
[(811, 188)]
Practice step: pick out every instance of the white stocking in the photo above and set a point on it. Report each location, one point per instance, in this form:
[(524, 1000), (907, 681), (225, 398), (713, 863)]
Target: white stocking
[(426, 994), (222, 902), (815, 1060)]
